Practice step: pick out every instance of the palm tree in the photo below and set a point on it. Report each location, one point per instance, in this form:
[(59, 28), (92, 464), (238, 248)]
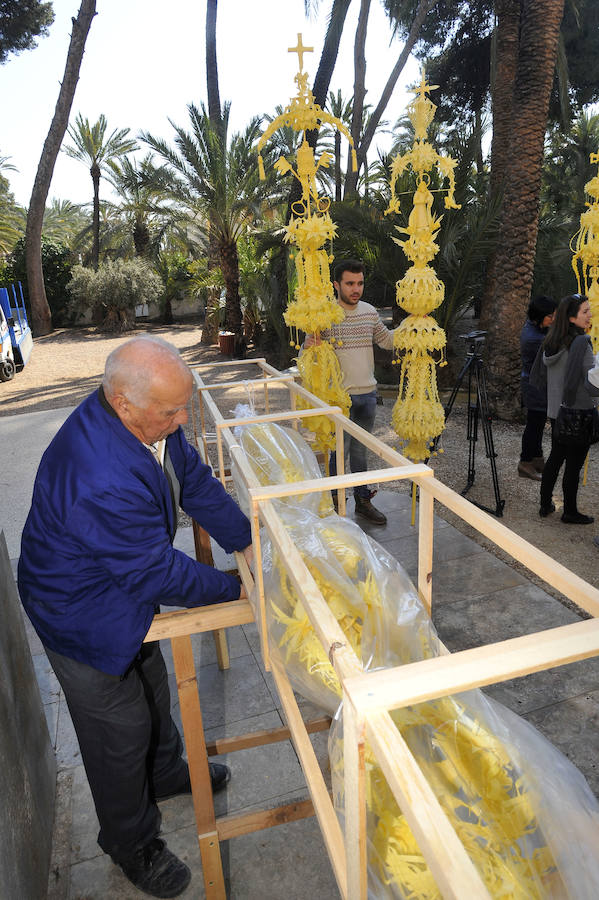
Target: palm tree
[(140, 187), (63, 221), (216, 181), (91, 146)]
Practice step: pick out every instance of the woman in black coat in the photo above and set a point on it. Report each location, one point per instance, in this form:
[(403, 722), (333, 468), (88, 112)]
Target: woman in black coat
[(540, 316)]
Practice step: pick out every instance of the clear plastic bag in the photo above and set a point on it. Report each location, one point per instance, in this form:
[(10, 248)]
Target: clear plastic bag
[(524, 813)]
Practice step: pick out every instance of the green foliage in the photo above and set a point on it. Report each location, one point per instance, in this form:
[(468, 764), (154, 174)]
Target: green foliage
[(174, 268), (113, 291), (21, 21), (12, 216), (56, 265), (63, 221)]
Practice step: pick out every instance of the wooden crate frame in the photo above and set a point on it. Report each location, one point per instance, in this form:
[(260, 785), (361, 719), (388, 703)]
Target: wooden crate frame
[(368, 698)]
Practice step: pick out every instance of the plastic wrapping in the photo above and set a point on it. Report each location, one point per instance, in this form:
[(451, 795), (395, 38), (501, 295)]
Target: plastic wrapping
[(278, 456), (524, 813)]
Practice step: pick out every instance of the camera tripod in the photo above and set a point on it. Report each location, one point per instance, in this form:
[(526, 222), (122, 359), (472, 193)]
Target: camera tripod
[(478, 409)]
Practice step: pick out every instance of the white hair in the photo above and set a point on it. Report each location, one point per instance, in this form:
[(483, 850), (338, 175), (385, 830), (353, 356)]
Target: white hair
[(130, 369)]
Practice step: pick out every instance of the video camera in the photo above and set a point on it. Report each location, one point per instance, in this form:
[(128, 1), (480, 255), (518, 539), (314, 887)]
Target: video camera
[(476, 340)]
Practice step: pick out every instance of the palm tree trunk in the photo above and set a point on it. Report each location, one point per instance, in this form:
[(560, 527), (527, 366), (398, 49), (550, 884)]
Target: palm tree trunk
[(504, 63), (141, 238), (212, 89), (514, 261), (351, 180), (95, 174), (359, 77), (229, 263), (211, 315), (41, 317), (337, 167), (330, 49)]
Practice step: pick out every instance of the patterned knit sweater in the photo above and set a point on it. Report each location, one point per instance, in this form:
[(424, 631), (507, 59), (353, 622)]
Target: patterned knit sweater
[(359, 330)]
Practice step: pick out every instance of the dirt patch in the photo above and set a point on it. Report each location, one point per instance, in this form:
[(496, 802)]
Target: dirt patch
[(67, 365)]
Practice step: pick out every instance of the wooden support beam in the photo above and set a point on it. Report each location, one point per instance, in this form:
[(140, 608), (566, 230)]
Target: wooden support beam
[(258, 382), (201, 787), (323, 807), (314, 485), (262, 738), (492, 663), (354, 777), (199, 619), (425, 549), (234, 826), (203, 551)]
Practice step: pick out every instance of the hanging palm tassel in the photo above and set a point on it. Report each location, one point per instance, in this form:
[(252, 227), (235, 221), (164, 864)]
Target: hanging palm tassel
[(419, 343), (585, 245), (314, 308)]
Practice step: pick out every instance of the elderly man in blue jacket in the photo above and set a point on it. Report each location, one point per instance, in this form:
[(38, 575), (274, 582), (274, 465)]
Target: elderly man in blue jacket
[(97, 560)]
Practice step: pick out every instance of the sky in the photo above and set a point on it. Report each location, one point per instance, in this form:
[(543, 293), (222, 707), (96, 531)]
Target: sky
[(144, 62)]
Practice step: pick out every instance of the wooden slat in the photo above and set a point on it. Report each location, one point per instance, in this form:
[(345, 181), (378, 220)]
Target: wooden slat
[(256, 382), (447, 859), (228, 363), (201, 787), (203, 551), (354, 778), (449, 674), (325, 813), (199, 619), (262, 738), (234, 826), (425, 549), (351, 479), (277, 417)]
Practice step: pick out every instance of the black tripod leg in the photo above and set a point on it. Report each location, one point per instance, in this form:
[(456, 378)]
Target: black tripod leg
[(483, 403), (472, 424), (448, 408)]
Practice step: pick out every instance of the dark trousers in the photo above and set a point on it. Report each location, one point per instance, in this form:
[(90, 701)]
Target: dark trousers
[(130, 746), (532, 437), (362, 411), (574, 458)]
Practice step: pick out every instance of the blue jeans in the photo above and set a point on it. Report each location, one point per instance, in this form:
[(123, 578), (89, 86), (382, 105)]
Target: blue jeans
[(362, 411)]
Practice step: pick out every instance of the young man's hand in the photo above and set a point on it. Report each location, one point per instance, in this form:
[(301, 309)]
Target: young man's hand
[(312, 340)]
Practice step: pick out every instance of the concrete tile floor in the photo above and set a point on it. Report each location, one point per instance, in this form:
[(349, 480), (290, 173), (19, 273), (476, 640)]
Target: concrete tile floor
[(476, 599)]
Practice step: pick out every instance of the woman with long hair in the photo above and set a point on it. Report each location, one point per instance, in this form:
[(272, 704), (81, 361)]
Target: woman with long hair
[(539, 317), (568, 356)]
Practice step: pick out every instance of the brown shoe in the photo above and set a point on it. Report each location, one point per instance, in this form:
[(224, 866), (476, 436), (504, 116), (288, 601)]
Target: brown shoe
[(365, 508), (539, 463), (527, 470)]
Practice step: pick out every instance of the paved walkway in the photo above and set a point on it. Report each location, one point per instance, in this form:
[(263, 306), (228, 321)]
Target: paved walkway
[(477, 599)]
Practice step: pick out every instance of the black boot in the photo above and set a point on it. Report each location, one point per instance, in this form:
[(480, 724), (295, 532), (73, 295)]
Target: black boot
[(365, 508), (154, 870), (577, 518)]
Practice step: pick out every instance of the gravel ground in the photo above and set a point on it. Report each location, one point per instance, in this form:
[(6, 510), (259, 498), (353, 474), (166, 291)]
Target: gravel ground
[(67, 365)]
